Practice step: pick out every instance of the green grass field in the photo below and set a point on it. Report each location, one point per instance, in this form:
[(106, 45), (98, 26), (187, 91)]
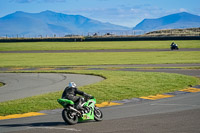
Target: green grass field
[(63, 59), (1, 84), (23, 46)]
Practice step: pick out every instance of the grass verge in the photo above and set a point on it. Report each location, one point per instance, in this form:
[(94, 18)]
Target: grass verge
[(23, 46), (62, 59), (117, 86), (1, 84)]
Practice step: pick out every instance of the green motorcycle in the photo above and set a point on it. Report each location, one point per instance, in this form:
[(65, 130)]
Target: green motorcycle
[(89, 112)]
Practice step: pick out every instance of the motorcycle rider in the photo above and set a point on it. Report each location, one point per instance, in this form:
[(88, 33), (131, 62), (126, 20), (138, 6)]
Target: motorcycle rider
[(174, 46), (70, 93)]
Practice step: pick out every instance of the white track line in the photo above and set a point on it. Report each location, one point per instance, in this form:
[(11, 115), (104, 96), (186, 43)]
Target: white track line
[(57, 128)]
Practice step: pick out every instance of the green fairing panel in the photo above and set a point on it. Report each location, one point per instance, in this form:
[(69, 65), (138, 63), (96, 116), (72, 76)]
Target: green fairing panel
[(90, 115), (94, 100), (64, 102)]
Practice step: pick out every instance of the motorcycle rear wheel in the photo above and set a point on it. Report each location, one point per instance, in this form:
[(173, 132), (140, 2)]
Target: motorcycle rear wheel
[(98, 115), (69, 118)]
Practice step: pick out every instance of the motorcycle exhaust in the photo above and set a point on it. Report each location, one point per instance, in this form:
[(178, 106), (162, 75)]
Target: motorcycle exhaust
[(72, 108), (83, 104)]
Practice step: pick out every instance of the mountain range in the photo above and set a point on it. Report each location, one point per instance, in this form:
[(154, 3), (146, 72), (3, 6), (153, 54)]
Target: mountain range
[(174, 21), (48, 23)]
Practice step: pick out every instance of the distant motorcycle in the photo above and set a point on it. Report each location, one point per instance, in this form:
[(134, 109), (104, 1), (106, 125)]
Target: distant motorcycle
[(72, 116), (174, 46)]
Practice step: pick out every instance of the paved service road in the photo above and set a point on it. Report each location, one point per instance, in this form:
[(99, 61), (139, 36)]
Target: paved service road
[(20, 85)]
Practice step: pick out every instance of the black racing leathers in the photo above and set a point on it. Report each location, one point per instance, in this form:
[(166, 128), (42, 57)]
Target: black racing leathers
[(70, 93)]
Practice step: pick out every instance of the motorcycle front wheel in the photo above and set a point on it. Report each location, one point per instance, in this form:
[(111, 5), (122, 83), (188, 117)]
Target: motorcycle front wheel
[(69, 117), (98, 115)]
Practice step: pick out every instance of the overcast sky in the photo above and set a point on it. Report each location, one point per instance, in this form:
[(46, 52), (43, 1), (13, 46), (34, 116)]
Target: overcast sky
[(121, 12)]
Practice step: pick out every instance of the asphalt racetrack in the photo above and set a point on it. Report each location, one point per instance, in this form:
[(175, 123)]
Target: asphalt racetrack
[(20, 85), (179, 114)]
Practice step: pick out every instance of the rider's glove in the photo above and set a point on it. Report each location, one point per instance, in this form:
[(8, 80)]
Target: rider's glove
[(87, 95), (91, 97)]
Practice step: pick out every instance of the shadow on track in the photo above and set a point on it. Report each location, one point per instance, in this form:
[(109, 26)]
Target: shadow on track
[(40, 124)]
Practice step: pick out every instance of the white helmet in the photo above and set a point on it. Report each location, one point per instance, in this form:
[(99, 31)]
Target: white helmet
[(72, 84)]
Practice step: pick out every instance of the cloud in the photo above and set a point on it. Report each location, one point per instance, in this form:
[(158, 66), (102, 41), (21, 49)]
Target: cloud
[(183, 10)]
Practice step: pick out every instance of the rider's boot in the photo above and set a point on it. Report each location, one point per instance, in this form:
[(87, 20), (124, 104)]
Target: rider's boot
[(78, 105)]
